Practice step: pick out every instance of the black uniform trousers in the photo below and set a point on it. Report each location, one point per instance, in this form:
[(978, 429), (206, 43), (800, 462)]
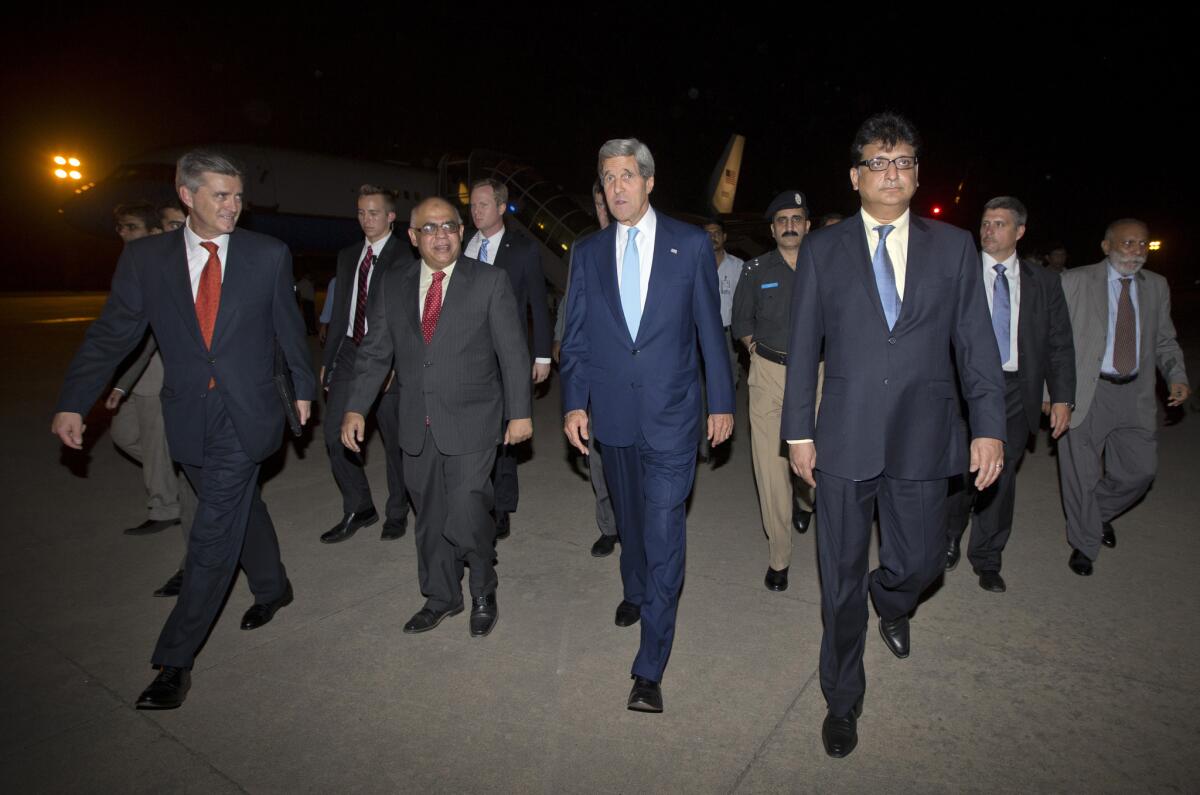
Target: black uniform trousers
[(232, 526), (452, 496), (993, 507), (347, 465), (912, 521)]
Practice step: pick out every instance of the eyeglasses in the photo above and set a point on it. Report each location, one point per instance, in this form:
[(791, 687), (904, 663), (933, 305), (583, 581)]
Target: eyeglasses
[(431, 229), (902, 163)]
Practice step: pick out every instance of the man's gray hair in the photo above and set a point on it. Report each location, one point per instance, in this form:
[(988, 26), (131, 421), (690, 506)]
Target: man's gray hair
[(627, 147), (190, 169), (1010, 203), (1108, 230)]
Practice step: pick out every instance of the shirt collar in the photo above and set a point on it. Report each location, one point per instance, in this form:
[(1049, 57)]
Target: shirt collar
[(645, 226), (1010, 264), (193, 241), (900, 224), (378, 245), (427, 272)]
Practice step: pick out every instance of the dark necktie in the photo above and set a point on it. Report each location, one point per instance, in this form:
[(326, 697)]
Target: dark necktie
[(1125, 338), (885, 277), (1001, 313), (360, 306), (433, 306)]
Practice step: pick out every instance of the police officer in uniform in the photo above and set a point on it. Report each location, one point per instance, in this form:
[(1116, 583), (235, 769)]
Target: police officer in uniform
[(762, 322)]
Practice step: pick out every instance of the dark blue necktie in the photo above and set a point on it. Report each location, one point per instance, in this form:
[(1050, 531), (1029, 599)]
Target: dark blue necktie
[(885, 277), (1001, 313)]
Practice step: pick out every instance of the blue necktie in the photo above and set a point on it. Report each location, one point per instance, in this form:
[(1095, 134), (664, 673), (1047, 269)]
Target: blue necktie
[(631, 285), (1001, 313), (483, 250), (885, 277)]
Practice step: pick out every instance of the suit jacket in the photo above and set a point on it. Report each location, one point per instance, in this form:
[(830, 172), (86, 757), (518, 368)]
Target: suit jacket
[(889, 401), (1086, 291), (474, 371), (395, 253), (258, 307), (1045, 351), (518, 256), (649, 386)]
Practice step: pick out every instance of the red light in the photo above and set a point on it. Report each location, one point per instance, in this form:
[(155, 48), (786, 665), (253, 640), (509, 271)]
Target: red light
[(937, 209)]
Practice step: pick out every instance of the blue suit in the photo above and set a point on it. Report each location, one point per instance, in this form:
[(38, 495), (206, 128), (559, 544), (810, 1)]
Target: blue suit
[(222, 434), (890, 429), (644, 396)]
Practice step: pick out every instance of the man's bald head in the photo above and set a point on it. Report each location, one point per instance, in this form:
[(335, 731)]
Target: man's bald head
[(435, 228)]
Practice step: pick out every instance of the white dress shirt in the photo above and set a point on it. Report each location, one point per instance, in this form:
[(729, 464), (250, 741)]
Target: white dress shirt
[(197, 256), (427, 282), (476, 242), (376, 247), (897, 245), (645, 247), (1012, 273)]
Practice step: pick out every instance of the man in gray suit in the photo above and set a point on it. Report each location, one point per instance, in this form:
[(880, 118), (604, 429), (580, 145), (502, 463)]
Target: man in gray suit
[(450, 324), (1121, 321)]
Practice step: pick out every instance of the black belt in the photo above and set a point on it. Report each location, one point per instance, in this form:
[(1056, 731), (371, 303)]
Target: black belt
[(779, 357), (1119, 380)]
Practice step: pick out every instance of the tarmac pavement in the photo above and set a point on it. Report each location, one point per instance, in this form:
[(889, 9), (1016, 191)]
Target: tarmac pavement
[(1063, 683)]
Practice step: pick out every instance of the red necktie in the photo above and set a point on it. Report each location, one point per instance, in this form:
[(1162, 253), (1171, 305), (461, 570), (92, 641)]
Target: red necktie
[(208, 297), (433, 306), (360, 308)]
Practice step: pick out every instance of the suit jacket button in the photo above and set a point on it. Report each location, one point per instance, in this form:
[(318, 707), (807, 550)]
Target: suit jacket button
[(635, 351), (891, 340), (885, 382), (427, 364)]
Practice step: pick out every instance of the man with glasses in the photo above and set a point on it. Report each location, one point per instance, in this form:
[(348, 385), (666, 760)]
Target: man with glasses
[(895, 303), (461, 367), (1121, 320), (762, 311)]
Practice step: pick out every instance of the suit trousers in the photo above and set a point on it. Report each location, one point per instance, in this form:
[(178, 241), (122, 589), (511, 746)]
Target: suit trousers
[(232, 526), (347, 465), (772, 472), (912, 549), (649, 489), (993, 507), (137, 429), (1105, 464), (606, 520), (452, 497)]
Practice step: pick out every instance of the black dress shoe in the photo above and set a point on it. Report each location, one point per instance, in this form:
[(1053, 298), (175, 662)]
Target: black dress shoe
[(991, 581), (349, 525), (895, 635), (1109, 537), (502, 528), (839, 733), (646, 696), (427, 618), (262, 612), (776, 580), (801, 519), (150, 526), (168, 690), (172, 586), (953, 553), (1080, 563), (394, 528), (628, 614), (484, 615), (604, 546)]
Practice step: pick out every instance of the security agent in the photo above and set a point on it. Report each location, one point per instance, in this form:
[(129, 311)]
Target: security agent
[(762, 322)]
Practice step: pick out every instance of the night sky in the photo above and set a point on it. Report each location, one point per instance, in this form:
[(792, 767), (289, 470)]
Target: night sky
[(1082, 119)]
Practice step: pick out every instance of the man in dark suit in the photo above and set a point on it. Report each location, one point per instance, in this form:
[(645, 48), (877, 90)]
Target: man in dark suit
[(1121, 319), (219, 300), (450, 325), (887, 297), (517, 256), (1033, 332), (641, 293), (358, 274)]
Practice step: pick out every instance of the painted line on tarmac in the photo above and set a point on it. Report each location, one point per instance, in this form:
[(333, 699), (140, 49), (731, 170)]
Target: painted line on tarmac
[(66, 320)]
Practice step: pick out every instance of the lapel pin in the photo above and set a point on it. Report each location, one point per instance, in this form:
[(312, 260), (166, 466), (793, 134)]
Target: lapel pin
[(674, 251)]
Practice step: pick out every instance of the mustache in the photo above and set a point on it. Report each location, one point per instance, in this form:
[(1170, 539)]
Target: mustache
[(790, 234)]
